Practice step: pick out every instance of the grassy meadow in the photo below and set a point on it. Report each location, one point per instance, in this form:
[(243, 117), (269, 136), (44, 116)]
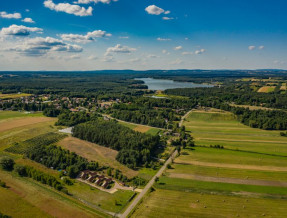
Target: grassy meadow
[(40, 199), (246, 179)]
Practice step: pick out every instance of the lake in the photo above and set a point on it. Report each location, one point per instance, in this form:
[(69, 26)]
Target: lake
[(163, 84)]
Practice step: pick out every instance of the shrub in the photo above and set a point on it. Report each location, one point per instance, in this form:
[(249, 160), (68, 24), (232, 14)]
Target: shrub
[(7, 163)]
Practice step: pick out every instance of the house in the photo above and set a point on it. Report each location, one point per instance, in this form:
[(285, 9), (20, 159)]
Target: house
[(107, 182)]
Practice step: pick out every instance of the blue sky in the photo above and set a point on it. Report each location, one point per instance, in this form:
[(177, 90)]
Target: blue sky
[(142, 34)]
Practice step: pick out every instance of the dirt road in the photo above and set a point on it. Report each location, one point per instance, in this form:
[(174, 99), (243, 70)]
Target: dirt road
[(147, 187)]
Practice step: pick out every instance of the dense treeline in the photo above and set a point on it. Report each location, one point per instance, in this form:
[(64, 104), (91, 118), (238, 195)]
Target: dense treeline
[(68, 118), (153, 118), (27, 171), (221, 97), (55, 157), (153, 112), (238, 94), (134, 148)]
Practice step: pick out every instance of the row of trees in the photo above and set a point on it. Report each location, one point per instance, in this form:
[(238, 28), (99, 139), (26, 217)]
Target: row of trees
[(44, 178), (134, 148), (55, 157)]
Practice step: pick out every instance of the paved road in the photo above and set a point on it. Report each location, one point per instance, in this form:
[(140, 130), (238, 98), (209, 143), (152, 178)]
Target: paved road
[(147, 187)]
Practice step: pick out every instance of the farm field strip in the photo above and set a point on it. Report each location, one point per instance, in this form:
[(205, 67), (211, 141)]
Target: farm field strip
[(231, 172), (169, 203), (227, 180), (222, 128)]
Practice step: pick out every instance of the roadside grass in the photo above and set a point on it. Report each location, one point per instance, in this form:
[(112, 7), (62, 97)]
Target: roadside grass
[(111, 202), (221, 128), (212, 155), (227, 172), (167, 203), (147, 173), (188, 185), (153, 131), (47, 199), (93, 152), (13, 205)]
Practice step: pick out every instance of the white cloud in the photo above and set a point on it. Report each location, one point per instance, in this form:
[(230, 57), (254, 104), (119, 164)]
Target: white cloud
[(124, 37), (93, 1), (134, 60), (28, 20), (177, 48), (154, 10), (168, 18), (251, 47), (119, 49), (39, 46), (27, 10), (90, 36), (261, 47), (177, 61), (19, 30), (74, 57), (187, 53), (92, 57), (165, 52), (4, 14), (163, 39), (199, 51), (68, 8)]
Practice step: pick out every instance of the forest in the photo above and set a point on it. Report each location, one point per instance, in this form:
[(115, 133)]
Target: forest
[(134, 148)]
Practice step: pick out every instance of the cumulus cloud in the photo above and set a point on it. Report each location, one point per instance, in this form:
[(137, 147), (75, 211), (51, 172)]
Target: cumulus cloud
[(251, 47), (92, 57), (154, 10), (90, 36), (21, 30), (165, 52), (177, 48), (39, 46), (152, 56), (28, 20), (199, 51), (261, 47), (167, 18), (177, 61), (163, 39), (93, 1), (119, 49), (4, 14), (68, 8)]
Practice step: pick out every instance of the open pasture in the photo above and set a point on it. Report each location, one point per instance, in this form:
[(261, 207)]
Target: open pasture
[(94, 152), (222, 128), (169, 203), (267, 89)]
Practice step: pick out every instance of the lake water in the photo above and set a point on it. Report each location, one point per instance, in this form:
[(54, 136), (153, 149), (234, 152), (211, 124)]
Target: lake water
[(163, 84)]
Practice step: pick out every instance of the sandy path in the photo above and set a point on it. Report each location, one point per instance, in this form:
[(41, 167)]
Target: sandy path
[(7, 125), (228, 180), (234, 166)]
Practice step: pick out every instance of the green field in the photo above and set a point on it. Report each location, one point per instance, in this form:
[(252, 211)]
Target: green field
[(168, 203), (41, 199), (246, 179), (221, 128), (4, 115)]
